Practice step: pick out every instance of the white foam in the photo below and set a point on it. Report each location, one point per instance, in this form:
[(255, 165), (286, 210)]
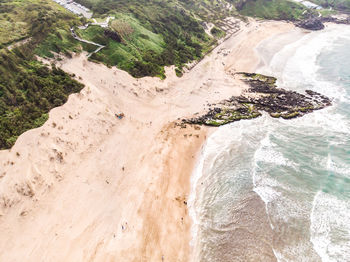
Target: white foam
[(196, 175), (298, 72), (296, 67), (336, 167), (268, 155), (208, 156), (216, 144), (266, 193), (330, 228), (326, 120), (217, 149), (263, 184)]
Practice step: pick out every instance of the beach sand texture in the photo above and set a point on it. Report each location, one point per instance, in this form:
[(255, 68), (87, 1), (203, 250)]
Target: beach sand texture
[(90, 187)]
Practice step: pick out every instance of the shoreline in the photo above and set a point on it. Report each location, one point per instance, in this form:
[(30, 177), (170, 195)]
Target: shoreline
[(262, 59), (257, 205), (98, 188)]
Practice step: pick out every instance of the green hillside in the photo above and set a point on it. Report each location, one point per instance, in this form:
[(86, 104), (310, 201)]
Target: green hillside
[(137, 44), (273, 9), (153, 34), (28, 89), (161, 33), (145, 36), (21, 19), (343, 5)]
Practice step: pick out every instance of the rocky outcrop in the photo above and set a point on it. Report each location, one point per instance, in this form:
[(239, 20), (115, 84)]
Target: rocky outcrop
[(313, 23), (335, 20), (262, 96), (316, 23), (113, 35)]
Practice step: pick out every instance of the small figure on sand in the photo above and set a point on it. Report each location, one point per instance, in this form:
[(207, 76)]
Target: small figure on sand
[(120, 115), (124, 226)]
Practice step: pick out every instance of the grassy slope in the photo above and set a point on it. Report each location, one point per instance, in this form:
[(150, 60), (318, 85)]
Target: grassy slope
[(15, 19), (20, 19), (137, 42), (210, 10), (28, 89), (343, 5), (273, 9), (174, 27), (162, 32), (153, 33)]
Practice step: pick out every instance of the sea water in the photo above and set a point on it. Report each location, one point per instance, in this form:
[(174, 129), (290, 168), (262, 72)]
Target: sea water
[(279, 190)]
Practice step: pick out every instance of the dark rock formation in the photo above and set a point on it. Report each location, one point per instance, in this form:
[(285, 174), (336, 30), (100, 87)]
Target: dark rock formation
[(313, 23), (263, 95), (316, 23), (113, 35), (330, 19)]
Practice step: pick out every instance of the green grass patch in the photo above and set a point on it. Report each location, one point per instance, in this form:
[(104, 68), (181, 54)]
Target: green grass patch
[(17, 17), (154, 34), (343, 5), (216, 32), (28, 90), (60, 41), (138, 43), (273, 9)]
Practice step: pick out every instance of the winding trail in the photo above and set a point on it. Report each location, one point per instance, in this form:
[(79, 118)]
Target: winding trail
[(87, 42), (19, 43), (102, 24)]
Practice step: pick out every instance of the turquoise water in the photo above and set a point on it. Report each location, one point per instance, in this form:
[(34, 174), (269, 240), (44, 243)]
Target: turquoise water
[(279, 190)]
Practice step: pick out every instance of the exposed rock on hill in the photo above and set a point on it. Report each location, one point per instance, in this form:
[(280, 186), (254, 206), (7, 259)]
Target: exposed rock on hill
[(113, 35)]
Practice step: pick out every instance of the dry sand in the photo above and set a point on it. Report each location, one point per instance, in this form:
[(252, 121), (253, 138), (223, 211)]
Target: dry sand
[(90, 187)]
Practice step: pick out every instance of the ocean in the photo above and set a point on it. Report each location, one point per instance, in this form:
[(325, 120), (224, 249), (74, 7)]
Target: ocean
[(279, 190)]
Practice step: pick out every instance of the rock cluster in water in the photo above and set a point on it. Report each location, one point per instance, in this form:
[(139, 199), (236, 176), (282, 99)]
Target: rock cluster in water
[(263, 95), (313, 23), (316, 23)]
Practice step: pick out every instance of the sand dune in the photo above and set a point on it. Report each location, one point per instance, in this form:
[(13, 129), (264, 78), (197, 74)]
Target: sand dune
[(90, 187)]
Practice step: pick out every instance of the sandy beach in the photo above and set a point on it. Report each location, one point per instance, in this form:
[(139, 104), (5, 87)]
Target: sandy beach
[(88, 186)]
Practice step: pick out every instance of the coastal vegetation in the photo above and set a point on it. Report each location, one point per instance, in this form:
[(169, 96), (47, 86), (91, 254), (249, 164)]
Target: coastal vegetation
[(129, 45), (29, 89), (273, 9), (343, 5), (27, 92), (153, 34), (143, 37), (41, 21)]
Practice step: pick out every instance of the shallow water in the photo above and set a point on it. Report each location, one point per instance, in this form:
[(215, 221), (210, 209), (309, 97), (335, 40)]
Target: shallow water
[(279, 190)]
